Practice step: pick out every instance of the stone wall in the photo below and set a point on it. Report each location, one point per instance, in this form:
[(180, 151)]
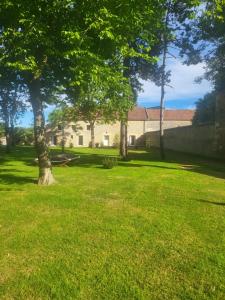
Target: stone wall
[(220, 123), (190, 139), (136, 129), (154, 125)]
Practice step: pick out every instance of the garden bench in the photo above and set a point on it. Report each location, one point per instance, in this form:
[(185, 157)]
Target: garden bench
[(61, 161)]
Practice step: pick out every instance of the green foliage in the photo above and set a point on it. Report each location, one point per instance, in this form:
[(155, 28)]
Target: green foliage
[(205, 110), (205, 42), (56, 117), (13, 96), (177, 14), (2, 129), (116, 141), (109, 162), (24, 136)]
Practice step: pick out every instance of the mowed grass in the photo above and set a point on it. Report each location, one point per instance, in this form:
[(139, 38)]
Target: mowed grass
[(143, 230)]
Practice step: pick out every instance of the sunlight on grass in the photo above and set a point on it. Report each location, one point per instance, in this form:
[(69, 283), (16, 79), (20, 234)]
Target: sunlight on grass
[(143, 230)]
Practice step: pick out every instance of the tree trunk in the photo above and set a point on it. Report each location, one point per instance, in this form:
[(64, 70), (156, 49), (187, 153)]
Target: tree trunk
[(8, 139), (163, 83), (63, 139), (6, 122), (92, 127), (161, 137), (123, 140), (45, 168), (12, 134)]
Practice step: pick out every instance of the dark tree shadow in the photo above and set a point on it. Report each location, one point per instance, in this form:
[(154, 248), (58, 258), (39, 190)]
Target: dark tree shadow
[(151, 159), (9, 178), (136, 159), (212, 202)]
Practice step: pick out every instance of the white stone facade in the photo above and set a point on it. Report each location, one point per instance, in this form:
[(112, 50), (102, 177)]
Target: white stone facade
[(107, 135)]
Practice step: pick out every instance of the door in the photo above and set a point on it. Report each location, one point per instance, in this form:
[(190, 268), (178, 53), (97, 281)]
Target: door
[(132, 140), (106, 141), (80, 140)]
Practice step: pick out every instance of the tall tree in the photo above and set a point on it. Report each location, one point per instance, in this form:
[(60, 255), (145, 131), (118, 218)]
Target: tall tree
[(204, 41), (205, 110), (47, 39), (177, 15), (104, 96)]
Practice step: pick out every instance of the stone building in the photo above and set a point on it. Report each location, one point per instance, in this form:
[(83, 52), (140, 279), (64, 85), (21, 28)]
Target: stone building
[(140, 121)]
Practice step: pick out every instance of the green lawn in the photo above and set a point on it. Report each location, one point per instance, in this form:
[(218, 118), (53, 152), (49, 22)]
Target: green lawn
[(143, 230)]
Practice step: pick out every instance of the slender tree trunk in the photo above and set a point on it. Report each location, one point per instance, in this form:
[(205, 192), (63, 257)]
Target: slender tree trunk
[(45, 168), (6, 122), (12, 133), (92, 127), (123, 140), (163, 82), (161, 136), (8, 139), (63, 139), (123, 123)]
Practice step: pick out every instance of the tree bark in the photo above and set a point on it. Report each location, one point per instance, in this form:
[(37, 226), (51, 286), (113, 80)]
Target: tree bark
[(163, 82), (123, 140), (92, 128), (6, 122), (63, 139), (45, 168), (161, 137), (8, 139), (12, 133)]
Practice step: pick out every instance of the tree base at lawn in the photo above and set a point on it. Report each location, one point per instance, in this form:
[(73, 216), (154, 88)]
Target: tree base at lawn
[(45, 177)]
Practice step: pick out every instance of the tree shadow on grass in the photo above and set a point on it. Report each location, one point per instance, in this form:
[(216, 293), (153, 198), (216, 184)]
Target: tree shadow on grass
[(9, 179), (136, 159), (20, 153), (212, 202), (3, 170), (137, 165), (186, 162), (151, 159)]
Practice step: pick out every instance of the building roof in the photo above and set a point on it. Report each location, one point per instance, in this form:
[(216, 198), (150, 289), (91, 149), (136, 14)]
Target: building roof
[(138, 114), (148, 114)]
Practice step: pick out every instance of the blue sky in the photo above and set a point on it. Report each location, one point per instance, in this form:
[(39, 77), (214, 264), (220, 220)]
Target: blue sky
[(183, 94)]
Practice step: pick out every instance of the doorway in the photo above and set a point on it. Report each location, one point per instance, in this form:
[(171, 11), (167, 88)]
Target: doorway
[(106, 141)]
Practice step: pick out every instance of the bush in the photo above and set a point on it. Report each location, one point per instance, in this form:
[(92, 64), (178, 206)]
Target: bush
[(109, 162), (116, 141)]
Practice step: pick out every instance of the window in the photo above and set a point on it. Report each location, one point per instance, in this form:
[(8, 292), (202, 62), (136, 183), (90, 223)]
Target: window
[(80, 140), (88, 127), (132, 140)]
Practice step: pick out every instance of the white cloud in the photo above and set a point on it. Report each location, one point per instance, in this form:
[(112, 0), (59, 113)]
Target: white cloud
[(182, 81)]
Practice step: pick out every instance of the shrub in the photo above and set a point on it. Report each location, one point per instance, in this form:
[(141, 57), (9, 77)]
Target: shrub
[(109, 162), (116, 141)]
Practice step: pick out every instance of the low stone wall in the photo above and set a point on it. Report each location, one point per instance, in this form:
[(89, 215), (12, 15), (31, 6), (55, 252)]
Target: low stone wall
[(190, 139)]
